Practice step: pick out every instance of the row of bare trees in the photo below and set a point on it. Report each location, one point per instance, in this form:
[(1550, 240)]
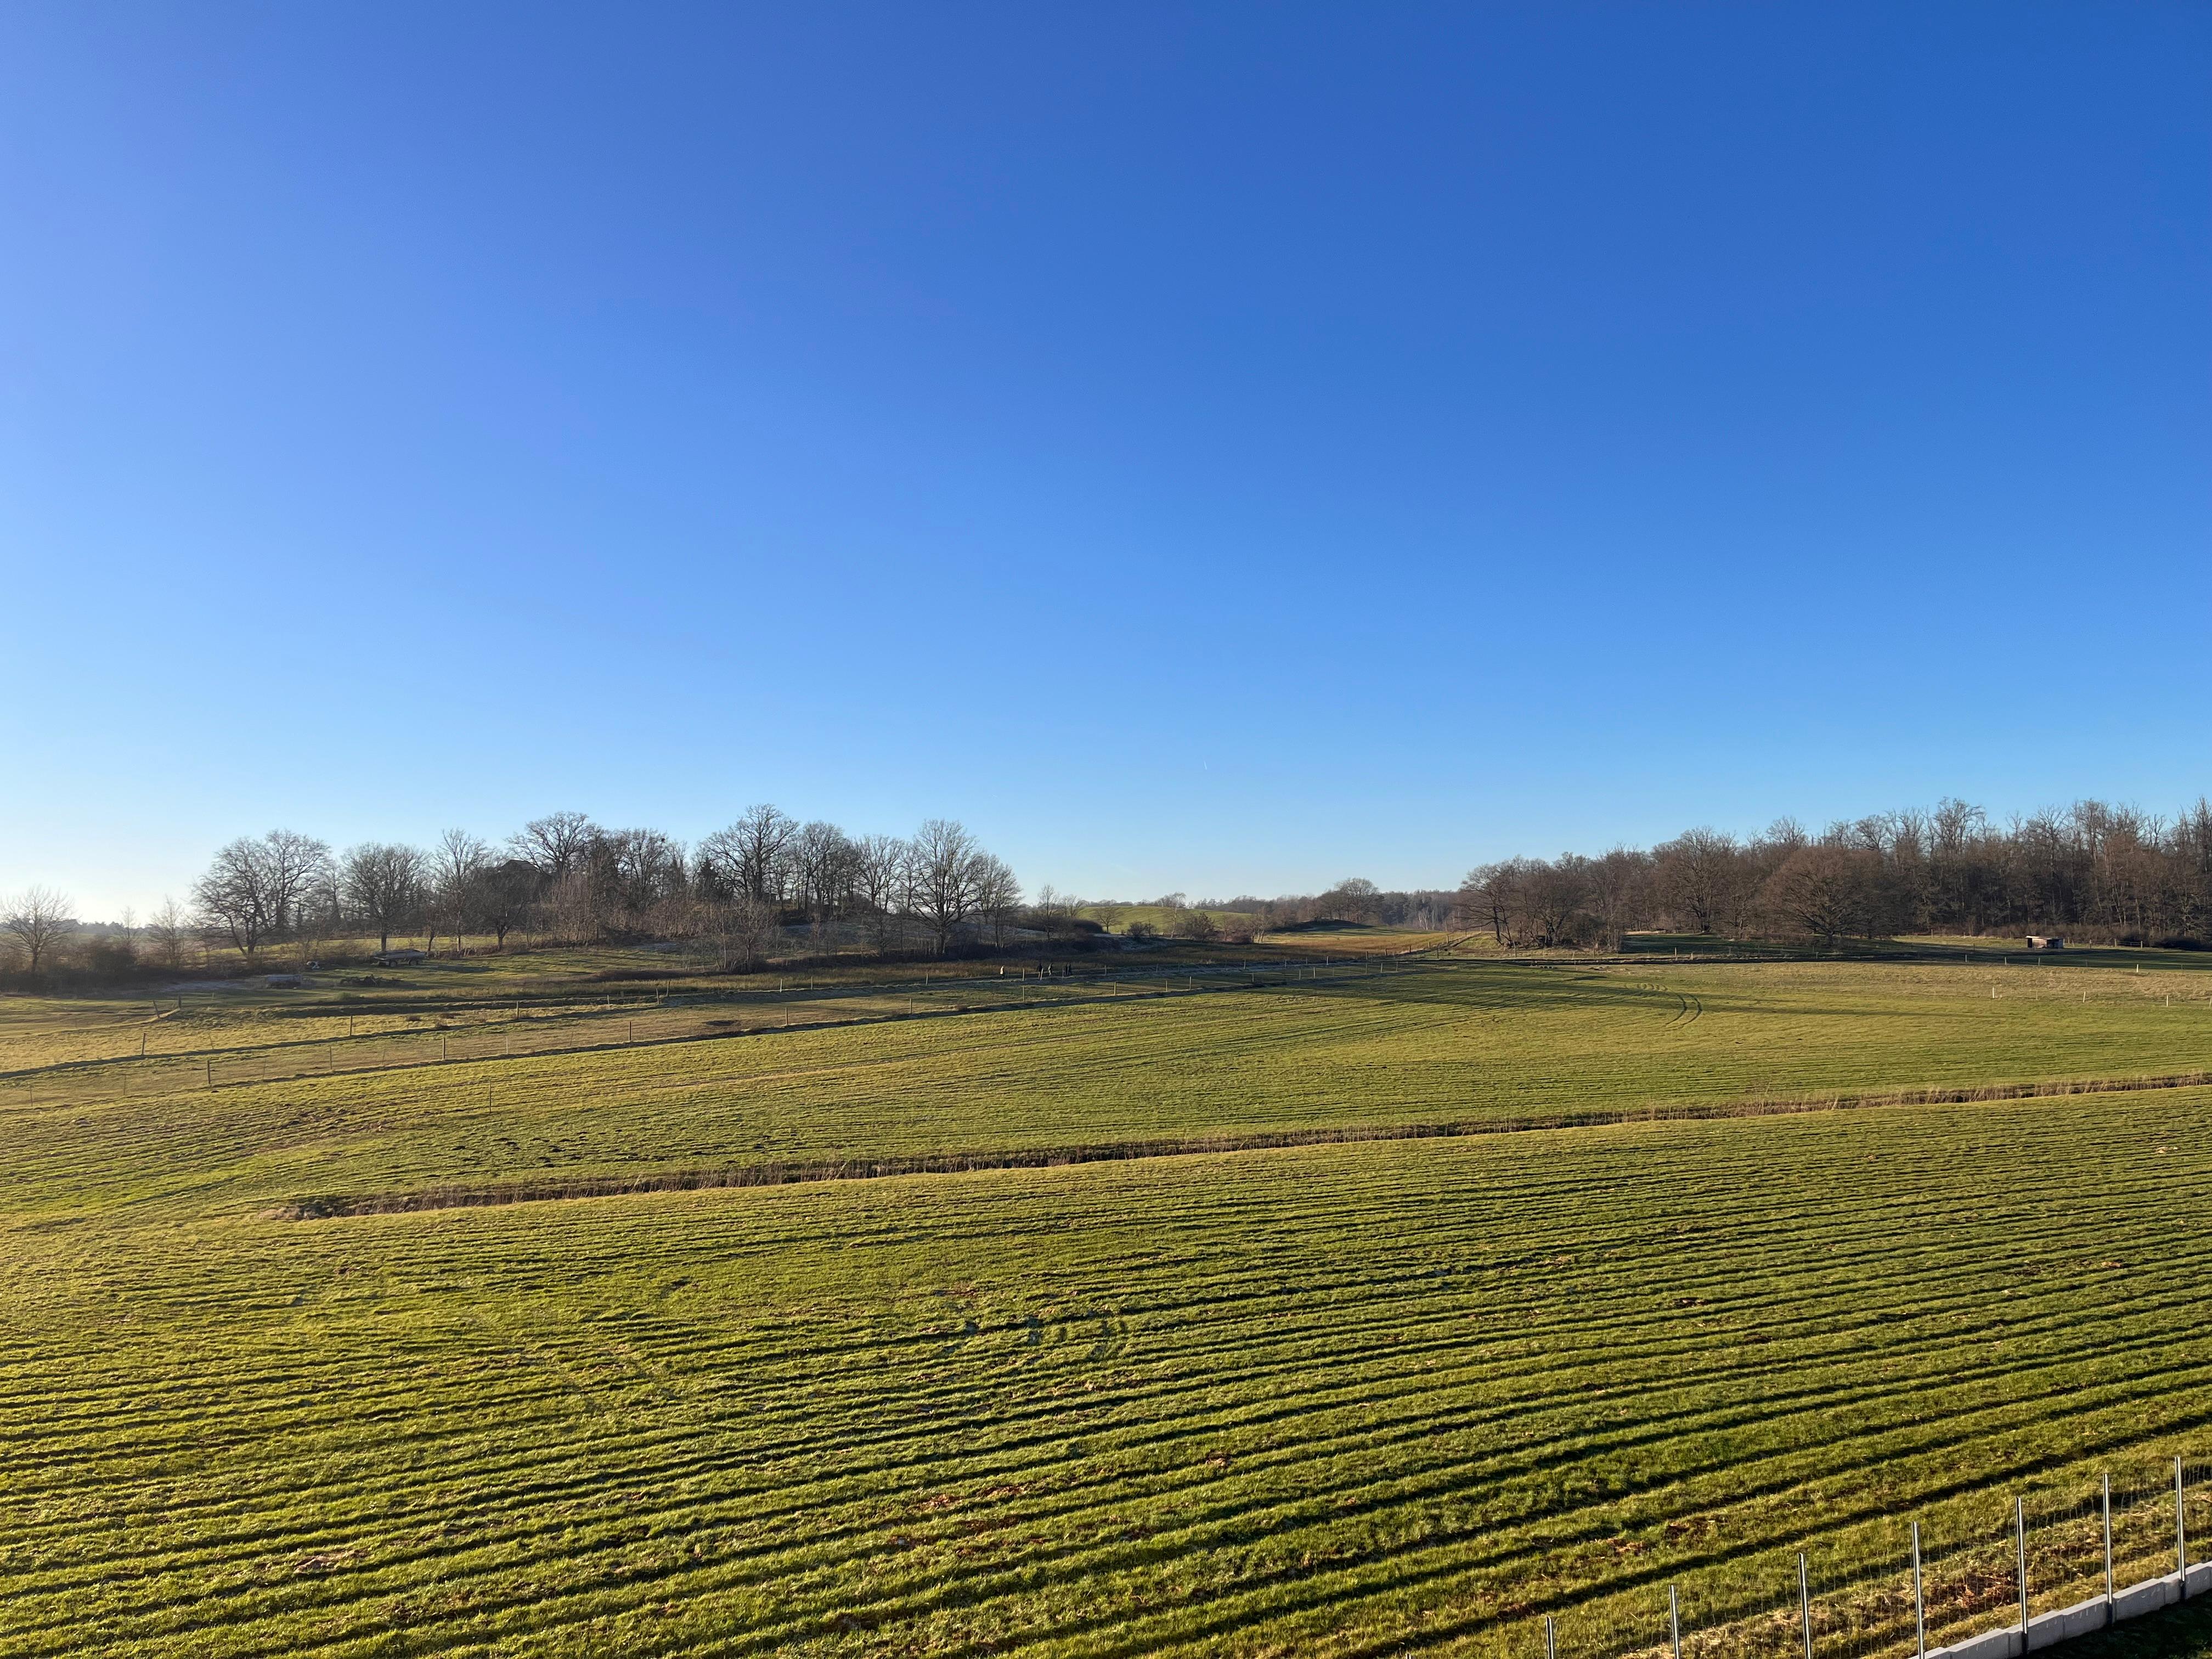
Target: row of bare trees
[(1356, 899), (566, 878), (2101, 872)]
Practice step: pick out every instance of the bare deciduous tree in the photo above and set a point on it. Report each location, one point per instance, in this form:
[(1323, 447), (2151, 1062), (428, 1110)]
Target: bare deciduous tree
[(574, 905), (386, 887), (998, 895), (1820, 891), (1552, 900), (166, 932), (1351, 900), (743, 929), (298, 866), (823, 861), (36, 920), (943, 878), (1699, 873), (253, 888), (555, 844), (1055, 912), (635, 873), (746, 857), (1487, 896), (456, 865), (1619, 884), (879, 883), (504, 895)]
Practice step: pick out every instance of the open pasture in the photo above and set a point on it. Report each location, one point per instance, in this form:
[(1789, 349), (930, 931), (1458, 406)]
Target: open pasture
[(491, 994), (1378, 1396), (1465, 1046), (1359, 940), (1353, 1400)]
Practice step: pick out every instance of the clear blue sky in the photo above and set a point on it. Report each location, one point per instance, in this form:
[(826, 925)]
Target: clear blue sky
[(1221, 448)]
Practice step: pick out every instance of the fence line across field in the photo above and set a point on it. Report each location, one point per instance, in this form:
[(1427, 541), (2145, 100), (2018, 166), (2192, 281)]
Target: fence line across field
[(1996, 1594), (687, 1017)]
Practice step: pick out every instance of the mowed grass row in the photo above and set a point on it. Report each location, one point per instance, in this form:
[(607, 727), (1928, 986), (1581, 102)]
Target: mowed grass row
[(235, 1016), (1344, 1400), (39, 1033), (1443, 1045), (198, 1054), (72, 1045), (484, 995)]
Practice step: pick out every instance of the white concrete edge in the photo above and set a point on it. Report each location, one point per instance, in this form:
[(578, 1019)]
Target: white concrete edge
[(2048, 1630)]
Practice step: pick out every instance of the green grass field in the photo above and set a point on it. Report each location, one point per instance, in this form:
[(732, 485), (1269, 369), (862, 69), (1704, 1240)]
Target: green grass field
[(238, 1015), (1353, 1398)]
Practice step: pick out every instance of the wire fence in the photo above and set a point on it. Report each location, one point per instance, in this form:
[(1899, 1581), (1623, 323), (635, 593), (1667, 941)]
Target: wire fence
[(1985, 1566), (621, 1019)]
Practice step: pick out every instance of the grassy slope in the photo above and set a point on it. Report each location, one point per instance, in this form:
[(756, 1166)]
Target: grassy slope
[(1328, 1400), (1455, 1044), (1335, 1399), (242, 1013)]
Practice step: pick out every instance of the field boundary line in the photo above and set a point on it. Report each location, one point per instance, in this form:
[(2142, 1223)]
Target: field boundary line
[(66, 1072), (779, 1173)]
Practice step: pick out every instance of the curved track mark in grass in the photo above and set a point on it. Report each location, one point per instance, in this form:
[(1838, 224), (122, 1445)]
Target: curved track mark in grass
[(1257, 1379), (770, 1173)]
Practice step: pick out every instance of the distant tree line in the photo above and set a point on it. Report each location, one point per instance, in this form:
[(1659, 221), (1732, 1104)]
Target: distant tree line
[(563, 877), (560, 878), (1360, 900), (2103, 874), (1355, 900)]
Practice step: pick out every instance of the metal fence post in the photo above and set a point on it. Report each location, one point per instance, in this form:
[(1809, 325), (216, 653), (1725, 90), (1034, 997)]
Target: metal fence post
[(1551, 1639), (2180, 1523), (2019, 1545), (1674, 1620), (1805, 1602), (1919, 1605), (2108, 1549)]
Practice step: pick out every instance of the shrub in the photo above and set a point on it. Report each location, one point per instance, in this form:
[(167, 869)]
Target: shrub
[(109, 957)]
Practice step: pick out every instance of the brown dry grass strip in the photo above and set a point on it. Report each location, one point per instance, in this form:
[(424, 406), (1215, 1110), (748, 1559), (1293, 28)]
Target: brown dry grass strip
[(771, 1173)]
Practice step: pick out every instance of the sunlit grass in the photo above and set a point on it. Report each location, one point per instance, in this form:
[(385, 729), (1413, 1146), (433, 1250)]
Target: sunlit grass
[(1318, 1400), (1339, 1399)]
